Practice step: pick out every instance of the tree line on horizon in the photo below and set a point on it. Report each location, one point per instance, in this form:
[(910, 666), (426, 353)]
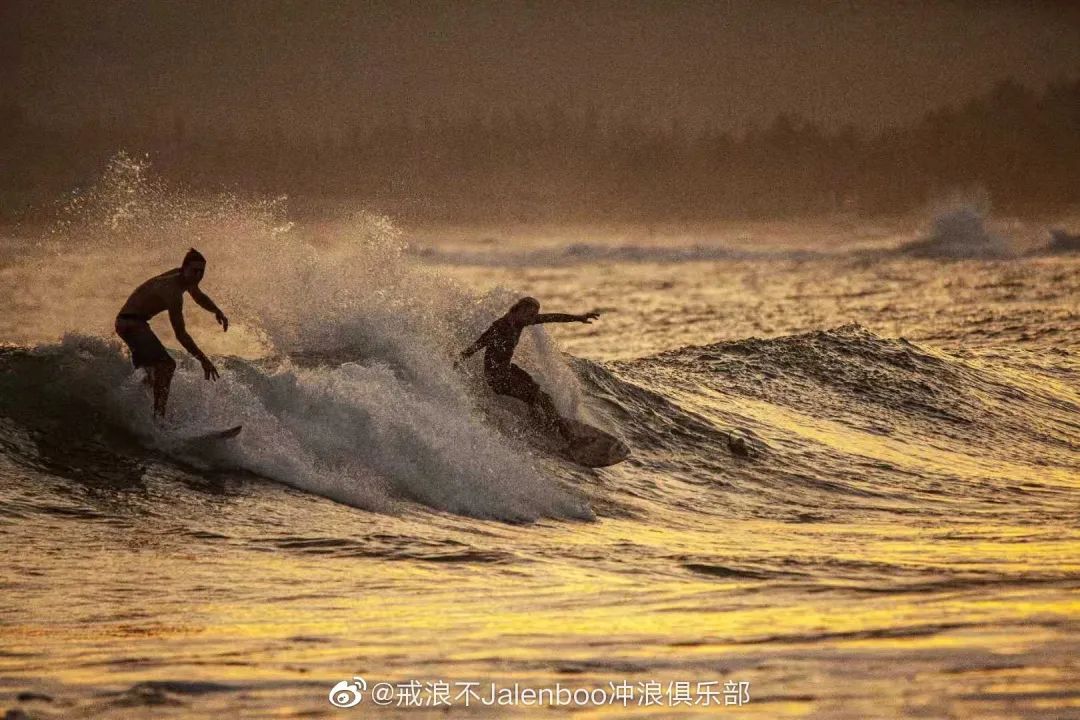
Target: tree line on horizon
[(1019, 147)]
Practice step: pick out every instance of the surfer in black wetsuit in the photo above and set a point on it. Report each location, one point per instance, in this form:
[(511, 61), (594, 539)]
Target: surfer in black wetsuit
[(166, 292), (506, 377)]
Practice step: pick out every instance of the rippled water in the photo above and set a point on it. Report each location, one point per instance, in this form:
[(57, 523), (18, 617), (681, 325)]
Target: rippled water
[(899, 539)]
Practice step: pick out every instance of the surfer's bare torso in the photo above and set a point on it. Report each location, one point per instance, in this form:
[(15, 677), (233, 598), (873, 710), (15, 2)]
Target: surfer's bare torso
[(164, 292)]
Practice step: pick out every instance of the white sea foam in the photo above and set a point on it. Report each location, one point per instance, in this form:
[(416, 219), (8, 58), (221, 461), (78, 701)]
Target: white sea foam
[(343, 348)]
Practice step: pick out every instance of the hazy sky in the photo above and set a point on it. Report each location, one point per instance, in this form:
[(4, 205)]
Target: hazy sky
[(319, 63)]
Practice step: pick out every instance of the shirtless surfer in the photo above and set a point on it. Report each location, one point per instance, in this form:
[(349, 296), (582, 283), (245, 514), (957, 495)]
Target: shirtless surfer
[(506, 377), (166, 292)]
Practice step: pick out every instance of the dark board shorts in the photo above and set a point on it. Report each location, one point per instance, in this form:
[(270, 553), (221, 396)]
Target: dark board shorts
[(146, 349)]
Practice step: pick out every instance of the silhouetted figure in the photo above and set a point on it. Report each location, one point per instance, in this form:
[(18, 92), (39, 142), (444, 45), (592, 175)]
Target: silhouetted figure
[(166, 292), (506, 377)]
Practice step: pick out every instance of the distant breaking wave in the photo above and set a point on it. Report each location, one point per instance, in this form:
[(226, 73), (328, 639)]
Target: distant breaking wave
[(581, 253), (1062, 241), (959, 233)]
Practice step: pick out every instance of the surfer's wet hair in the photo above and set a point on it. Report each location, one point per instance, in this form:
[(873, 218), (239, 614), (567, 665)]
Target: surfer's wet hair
[(193, 255), (525, 301)]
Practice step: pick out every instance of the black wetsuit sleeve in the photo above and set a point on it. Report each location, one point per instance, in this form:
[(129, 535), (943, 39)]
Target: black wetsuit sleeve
[(481, 341), (555, 318)]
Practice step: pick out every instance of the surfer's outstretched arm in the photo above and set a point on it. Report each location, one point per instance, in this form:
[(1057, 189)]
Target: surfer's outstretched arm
[(480, 342), (176, 317), (203, 300), (564, 317)]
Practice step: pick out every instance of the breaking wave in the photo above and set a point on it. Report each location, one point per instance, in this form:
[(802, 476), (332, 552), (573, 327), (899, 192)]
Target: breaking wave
[(339, 366), (959, 233)]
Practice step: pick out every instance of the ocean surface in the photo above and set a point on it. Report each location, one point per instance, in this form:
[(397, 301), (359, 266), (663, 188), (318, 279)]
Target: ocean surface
[(854, 489)]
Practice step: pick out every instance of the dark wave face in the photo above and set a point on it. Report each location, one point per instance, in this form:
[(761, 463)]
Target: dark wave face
[(855, 420)]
